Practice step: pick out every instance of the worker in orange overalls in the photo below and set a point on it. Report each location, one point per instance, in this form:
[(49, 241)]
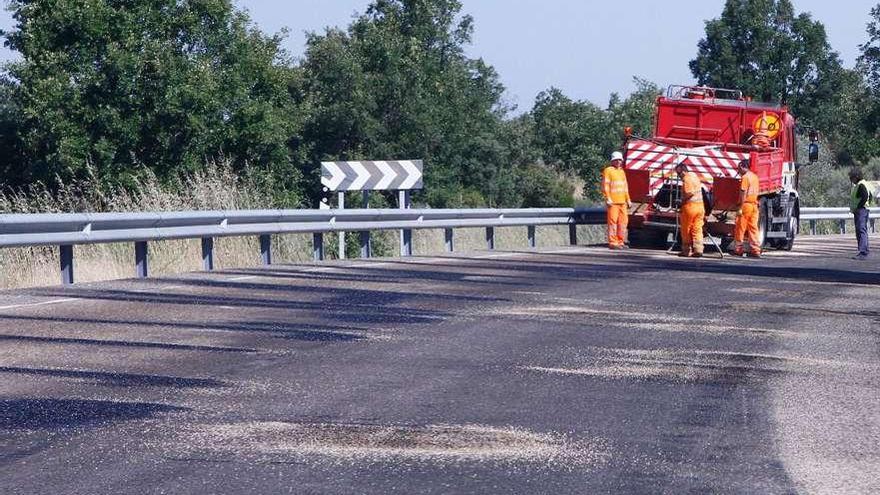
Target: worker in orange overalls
[(692, 215), (749, 214), (617, 202)]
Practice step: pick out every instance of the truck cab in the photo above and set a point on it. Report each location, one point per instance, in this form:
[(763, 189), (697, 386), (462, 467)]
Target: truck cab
[(712, 130)]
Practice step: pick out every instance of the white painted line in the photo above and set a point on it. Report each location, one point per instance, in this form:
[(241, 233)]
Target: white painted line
[(239, 279), (563, 251), (318, 270), (44, 303), (502, 255), (365, 265)]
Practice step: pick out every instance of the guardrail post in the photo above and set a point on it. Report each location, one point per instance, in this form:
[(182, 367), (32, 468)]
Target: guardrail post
[(66, 252), (490, 238), (208, 254), (812, 227), (873, 227), (449, 234), (842, 226), (366, 245), (572, 234), (142, 259), (318, 246), (533, 242), (266, 249), (404, 202), (341, 235)]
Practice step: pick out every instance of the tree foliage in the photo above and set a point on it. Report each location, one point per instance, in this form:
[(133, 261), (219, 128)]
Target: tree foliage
[(763, 48), (577, 137), (118, 86), (120, 89), (769, 51), (397, 83)]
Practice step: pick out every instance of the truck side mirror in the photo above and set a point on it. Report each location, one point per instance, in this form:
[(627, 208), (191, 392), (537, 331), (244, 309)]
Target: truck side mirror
[(814, 152)]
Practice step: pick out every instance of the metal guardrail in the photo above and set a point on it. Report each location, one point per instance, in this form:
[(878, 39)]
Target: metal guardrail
[(67, 230), (840, 215)]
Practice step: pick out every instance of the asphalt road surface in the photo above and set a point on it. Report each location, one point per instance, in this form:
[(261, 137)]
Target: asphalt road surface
[(575, 370)]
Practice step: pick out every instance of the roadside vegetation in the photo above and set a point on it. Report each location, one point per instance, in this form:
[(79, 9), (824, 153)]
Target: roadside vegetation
[(186, 104)]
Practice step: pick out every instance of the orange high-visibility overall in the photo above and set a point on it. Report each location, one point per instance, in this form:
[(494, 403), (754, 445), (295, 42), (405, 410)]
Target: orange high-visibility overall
[(747, 220), (693, 215), (616, 192)]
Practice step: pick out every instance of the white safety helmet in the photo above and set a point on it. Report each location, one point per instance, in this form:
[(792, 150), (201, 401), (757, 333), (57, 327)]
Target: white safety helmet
[(616, 156)]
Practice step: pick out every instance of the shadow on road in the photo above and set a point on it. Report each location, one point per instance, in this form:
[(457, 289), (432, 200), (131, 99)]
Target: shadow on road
[(119, 343), (117, 379), (282, 330), (375, 310), (70, 413)]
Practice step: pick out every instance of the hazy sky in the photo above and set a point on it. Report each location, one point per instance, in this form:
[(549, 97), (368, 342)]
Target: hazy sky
[(586, 48)]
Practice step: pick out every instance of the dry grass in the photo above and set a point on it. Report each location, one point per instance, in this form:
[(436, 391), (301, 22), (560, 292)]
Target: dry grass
[(215, 188)]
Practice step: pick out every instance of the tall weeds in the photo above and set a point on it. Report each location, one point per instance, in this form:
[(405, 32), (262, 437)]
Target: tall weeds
[(215, 187)]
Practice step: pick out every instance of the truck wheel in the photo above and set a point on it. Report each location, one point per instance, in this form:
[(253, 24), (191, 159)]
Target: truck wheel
[(763, 221), (791, 230), (792, 226)]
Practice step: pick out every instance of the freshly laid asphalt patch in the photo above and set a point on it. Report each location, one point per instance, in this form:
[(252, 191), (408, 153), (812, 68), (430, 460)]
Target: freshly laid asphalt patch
[(568, 371), (388, 444)]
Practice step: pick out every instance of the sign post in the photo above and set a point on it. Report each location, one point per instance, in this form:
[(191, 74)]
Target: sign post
[(365, 176)]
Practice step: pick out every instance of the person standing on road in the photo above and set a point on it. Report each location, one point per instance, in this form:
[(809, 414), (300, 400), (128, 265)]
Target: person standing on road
[(860, 201), (692, 214), (748, 215), (617, 202)]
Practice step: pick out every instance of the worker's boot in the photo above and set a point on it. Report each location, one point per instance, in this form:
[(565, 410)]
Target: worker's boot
[(697, 255), (754, 254)]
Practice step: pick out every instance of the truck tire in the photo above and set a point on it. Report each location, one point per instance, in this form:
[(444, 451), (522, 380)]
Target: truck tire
[(763, 221), (792, 227)]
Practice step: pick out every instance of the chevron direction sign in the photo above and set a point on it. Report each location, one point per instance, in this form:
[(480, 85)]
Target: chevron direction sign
[(399, 175)]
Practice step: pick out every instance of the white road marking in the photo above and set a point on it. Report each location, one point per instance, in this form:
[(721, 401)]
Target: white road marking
[(365, 265), (44, 303), (239, 279), (318, 270), (501, 255)]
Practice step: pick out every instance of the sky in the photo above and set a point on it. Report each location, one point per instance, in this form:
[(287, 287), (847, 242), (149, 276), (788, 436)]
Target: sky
[(587, 48)]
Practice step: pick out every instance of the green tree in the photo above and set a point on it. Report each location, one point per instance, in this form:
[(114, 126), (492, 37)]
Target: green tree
[(120, 86), (576, 137), (572, 135), (636, 111), (867, 103), (763, 48), (869, 59), (398, 84)]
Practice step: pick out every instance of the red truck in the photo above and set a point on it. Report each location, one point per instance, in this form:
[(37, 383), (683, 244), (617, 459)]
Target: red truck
[(712, 130)]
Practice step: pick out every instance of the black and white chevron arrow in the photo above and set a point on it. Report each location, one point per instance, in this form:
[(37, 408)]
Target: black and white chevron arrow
[(398, 175)]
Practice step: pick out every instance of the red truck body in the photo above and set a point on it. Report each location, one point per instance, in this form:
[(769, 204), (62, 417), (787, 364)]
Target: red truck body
[(712, 130)]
